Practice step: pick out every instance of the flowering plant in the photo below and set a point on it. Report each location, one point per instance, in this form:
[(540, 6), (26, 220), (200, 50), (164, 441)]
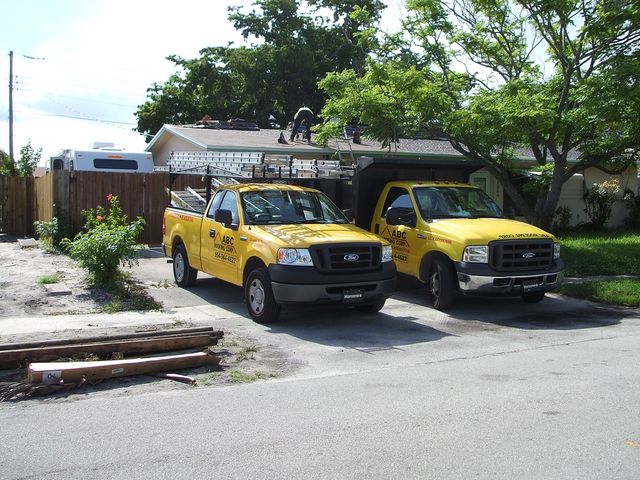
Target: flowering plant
[(599, 201), (107, 240)]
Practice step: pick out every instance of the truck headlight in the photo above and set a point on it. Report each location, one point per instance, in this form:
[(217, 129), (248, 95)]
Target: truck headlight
[(476, 254), (556, 251), (295, 256), (387, 253)]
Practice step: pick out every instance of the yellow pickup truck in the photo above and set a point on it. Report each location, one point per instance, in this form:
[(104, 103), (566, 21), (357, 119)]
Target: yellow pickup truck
[(284, 245), (453, 237)]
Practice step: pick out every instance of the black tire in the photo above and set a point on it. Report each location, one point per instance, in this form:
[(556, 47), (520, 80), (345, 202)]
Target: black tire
[(441, 284), (258, 297), (533, 297), (183, 274), (374, 307)]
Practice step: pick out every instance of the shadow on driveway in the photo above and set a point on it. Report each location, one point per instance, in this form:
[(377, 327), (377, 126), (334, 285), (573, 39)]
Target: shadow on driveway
[(344, 327), (555, 312)]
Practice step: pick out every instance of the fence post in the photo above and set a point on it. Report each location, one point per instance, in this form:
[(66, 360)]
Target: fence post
[(60, 196)]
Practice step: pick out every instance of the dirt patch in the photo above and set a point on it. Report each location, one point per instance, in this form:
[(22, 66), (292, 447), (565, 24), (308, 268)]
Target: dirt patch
[(22, 296), (244, 360)]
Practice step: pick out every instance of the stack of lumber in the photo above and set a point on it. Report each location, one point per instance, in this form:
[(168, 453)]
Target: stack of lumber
[(43, 368)]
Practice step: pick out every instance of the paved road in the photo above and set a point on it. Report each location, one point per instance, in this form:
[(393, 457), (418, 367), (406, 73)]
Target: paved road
[(496, 389)]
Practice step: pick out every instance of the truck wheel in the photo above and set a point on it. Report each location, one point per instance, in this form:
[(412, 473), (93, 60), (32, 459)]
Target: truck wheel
[(184, 275), (533, 297), (441, 284), (259, 298), (374, 307)]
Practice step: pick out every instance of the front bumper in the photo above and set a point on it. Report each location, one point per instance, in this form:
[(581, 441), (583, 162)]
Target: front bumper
[(298, 285), (481, 280)]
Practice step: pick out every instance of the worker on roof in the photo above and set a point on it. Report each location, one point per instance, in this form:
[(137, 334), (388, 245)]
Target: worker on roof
[(304, 114)]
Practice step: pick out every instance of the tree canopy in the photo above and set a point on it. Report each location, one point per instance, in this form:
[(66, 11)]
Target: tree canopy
[(26, 164), (295, 46), (503, 79)]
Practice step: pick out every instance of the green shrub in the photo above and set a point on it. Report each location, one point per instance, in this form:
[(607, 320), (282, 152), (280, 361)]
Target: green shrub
[(562, 219), (47, 233), (107, 240), (599, 201), (632, 202)]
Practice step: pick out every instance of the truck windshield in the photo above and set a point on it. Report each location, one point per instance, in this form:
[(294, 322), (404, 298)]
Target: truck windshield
[(455, 202), (278, 207)]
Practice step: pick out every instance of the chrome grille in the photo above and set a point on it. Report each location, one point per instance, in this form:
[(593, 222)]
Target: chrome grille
[(521, 255)]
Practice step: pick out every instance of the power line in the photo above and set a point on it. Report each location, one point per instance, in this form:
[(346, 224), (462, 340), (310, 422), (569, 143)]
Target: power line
[(83, 99), (88, 119)]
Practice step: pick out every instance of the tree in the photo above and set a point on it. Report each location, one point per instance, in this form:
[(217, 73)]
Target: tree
[(25, 166), (29, 159), (7, 166), (271, 78), (499, 77)]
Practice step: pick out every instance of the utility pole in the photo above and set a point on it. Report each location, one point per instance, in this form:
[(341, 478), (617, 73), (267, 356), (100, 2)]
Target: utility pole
[(11, 105)]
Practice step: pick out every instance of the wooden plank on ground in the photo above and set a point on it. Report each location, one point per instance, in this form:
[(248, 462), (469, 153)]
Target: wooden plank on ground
[(72, 372), (106, 338), (15, 358)]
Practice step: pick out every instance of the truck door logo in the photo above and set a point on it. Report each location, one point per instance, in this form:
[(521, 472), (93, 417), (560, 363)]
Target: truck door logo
[(351, 257)]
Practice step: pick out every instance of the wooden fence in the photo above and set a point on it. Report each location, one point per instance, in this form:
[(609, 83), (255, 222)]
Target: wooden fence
[(16, 205), (65, 195)]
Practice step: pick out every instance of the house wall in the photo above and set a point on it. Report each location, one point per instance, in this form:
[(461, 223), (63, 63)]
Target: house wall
[(489, 184), (572, 194), (171, 143)]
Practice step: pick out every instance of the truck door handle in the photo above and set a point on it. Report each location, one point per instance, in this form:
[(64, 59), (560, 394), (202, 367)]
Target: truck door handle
[(421, 236), (212, 233)]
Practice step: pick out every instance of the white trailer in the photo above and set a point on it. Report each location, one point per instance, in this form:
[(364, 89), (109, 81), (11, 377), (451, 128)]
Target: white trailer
[(103, 157)]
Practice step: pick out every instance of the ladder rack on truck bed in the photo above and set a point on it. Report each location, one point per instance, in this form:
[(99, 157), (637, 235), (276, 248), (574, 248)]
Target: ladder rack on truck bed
[(235, 167)]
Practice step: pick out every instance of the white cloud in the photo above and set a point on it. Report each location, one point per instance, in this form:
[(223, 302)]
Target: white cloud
[(99, 67)]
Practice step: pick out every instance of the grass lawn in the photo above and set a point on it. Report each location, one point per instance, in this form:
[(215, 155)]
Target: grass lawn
[(603, 253), (614, 292)]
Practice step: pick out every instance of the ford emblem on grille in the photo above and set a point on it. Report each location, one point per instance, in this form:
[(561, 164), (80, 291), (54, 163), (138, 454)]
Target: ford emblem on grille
[(351, 257), (528, 255)]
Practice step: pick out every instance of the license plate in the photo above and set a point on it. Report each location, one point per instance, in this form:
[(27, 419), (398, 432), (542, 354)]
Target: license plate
[(352, 295), (529, 285)]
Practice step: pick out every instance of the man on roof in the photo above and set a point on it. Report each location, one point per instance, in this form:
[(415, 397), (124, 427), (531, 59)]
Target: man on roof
[(303, 115)]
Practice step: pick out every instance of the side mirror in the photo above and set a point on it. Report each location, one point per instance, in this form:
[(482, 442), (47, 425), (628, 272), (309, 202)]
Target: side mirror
[(348, 212), (401, 216), (224, 217)]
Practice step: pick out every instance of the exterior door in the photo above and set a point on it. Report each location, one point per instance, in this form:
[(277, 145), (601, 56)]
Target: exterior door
[(220, 249), (403, 238)]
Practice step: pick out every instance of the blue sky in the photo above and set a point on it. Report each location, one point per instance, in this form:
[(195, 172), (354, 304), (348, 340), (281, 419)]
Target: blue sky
[(82, 67)]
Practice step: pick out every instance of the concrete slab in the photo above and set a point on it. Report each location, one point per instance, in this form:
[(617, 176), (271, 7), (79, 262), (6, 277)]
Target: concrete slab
[(27, 243), (57, 289)]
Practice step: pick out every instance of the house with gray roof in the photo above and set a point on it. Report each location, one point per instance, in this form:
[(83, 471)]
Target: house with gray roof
[(199, 138)]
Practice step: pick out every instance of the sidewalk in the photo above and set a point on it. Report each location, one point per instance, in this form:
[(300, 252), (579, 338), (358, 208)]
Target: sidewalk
[(51, 324)]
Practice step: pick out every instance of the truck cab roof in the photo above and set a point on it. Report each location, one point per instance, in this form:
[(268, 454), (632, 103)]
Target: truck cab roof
[(427, 183)]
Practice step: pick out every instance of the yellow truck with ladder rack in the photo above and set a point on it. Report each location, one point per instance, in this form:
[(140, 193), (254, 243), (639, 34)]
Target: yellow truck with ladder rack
[(284, 244)]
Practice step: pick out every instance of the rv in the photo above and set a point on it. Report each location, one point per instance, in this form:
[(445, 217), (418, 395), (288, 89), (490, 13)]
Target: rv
[(103, 157)]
